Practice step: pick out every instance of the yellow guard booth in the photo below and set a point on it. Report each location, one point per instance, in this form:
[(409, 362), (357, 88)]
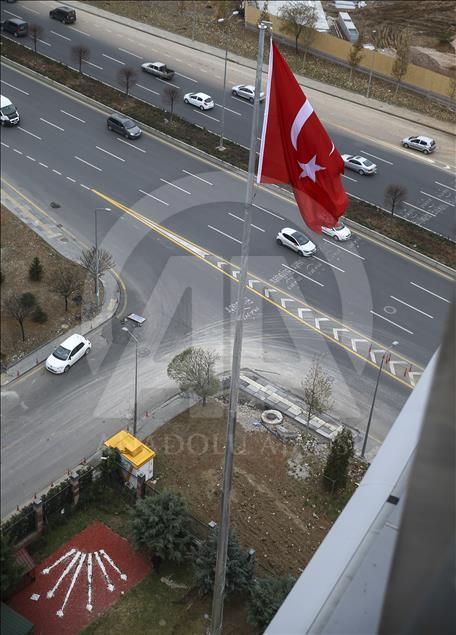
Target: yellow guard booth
[(135, 456)]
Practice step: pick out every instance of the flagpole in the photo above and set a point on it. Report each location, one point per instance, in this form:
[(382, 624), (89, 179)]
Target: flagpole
[(222, 544)]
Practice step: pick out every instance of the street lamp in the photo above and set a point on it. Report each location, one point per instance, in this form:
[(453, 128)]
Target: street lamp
[(372, 65), (97, 287), (135, 414), (222, 123), (385, 354)]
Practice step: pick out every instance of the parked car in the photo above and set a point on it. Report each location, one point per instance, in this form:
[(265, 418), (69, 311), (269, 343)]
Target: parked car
[(422, 143), (67, 15), (8, 113), (15, 26), (359, 164), (158, 70), (200, 100), (338, 232), (67, 354), (297, 241), (247, 92), (123, 125)]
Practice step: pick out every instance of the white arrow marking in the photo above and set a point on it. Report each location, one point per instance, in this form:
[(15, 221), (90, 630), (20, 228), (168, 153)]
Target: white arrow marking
[(372, 354), (354, 344), (251, 283), (73, 580), (337, 331), (221, 264), (301, 311), (113, 564), (283, 302), (412, 377), (51, 593), (267, 292), (236, 274), (89, 583), (64, 557), (392, 366), (318, 320), (103, 571)]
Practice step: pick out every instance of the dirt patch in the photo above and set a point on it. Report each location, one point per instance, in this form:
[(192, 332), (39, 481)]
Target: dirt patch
[(282, 516), (19, 245)]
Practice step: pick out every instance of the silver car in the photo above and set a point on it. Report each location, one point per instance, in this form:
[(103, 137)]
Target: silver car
[(247, 92), (359, 164), (420, 142), (297, 241)]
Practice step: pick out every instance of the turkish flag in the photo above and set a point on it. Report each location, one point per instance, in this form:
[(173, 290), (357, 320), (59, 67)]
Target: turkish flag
[(296, 149)]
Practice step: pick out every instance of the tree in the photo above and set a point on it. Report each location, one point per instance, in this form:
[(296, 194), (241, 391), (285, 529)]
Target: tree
[(110, 467), (80, 54), (159, 526), (394, 195), (240, 566), (356, 53), (300, 19), (65, 283), (39, 316), (338, 461), (20, 307), (35, 31), (89, 259), (10, 570), (452, 88), (193, 371), (127, 77), (36, 270), (317, 390), (264, 13), (169, 97), (266, 597), (401, 61)]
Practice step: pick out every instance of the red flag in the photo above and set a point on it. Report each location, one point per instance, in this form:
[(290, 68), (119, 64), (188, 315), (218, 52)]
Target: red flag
[(296, 149)]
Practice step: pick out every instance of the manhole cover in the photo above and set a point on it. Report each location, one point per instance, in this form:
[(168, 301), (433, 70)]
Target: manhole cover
[(272, 417), (390, 310)]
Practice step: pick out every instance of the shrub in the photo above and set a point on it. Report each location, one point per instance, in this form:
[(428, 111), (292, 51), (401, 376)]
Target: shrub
[(266, 597), (36, 270), (39, 316)]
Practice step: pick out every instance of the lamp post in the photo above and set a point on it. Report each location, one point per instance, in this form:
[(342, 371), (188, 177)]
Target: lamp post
[(135, 413), (222, 122), (372, 65), (97, 284), (395, 343)]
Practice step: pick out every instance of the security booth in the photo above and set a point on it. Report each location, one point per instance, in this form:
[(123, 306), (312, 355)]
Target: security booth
[(136, 457)]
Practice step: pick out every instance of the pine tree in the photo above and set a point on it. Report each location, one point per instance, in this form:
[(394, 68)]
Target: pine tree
[(266, 596), (10, 571), (338, 462), (356, 53), (36, 270)]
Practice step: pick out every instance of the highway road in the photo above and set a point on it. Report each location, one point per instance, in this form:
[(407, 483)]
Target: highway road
[(431, 187)]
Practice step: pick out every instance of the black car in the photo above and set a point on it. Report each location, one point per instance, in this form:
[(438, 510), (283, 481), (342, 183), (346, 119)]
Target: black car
[(15, 26), (124, 126), (63, 14)]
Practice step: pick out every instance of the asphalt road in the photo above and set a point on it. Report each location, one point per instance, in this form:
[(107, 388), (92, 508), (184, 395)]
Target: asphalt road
[(431, 188)]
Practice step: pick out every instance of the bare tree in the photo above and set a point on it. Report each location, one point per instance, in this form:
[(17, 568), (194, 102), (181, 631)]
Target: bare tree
[(402, 59), (169, 97), (20, 307), (80, 54), (300, 20), (127, 77), (394, 195), (356, 53), (452, 88), (193, 371), (89, 261), (35, 31), (317, 390), (65, 283)]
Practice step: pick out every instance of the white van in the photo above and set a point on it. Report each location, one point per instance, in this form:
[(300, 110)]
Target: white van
[(9, 115)]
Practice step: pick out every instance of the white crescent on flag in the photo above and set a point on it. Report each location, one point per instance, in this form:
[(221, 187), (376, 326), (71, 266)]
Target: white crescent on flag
[(303, 114)]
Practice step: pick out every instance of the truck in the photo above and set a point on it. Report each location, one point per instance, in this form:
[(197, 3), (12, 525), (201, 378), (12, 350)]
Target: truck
[(158, 70)]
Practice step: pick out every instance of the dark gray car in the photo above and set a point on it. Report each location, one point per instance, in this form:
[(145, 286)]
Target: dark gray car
[(124, 126)]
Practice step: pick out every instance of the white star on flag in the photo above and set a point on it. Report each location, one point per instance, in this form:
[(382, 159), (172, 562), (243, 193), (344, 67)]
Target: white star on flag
[(309, 168)]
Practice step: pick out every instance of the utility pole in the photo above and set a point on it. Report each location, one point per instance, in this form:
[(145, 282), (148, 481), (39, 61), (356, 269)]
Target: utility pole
[(222, 544), (135, 412), (97, 282), (222, 122), (372, 64)]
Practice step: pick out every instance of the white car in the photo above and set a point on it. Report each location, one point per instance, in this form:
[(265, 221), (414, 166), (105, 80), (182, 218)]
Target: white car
[(359, 164), (247, 92), (297, 241), (67, 354), (338, 232), (200, 100)]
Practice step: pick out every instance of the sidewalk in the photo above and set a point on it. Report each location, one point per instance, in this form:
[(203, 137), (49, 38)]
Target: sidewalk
[(68, 246)]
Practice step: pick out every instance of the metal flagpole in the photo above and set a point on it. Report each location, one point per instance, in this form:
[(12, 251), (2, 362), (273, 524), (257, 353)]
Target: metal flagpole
[(222, 545)]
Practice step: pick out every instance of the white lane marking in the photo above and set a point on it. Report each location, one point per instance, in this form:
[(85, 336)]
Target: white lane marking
[(130, 53), (29, 9), (113, 59), (303, 275), (110, 154), (267, 211), (410, 306), (376, 157), (447, 186), (148, 89), (15, 87), (350, 178), (437, 198), (30, 133), (202, 70), (204, 115), (197, 177), (334, 244), (242, 101), (178, 60), (43, 164), (52, 124), (131, 145), (4, 144), (328, 263), (74, 116), (64, 37), (57, 172), (92, 64), (44, 42), (243, 221), (223, 234), (14, 14), (70, 179), (431, 292), (419, 208), (190, 79), (31, 158), (73, 28), (18, 151), (84, 186), (154, 197), (168, 83), (176, 186), (391, 322), (233, 111), (89, 164)]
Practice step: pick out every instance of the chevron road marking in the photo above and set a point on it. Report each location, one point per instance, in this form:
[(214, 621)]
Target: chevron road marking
[(221, 264), (376, 350), (267, 292), (318, 320), (412, 377), (252, 282), (236, 274), (354, 342), (301, 310), (391, 365), (337, 331), (283, 302)]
